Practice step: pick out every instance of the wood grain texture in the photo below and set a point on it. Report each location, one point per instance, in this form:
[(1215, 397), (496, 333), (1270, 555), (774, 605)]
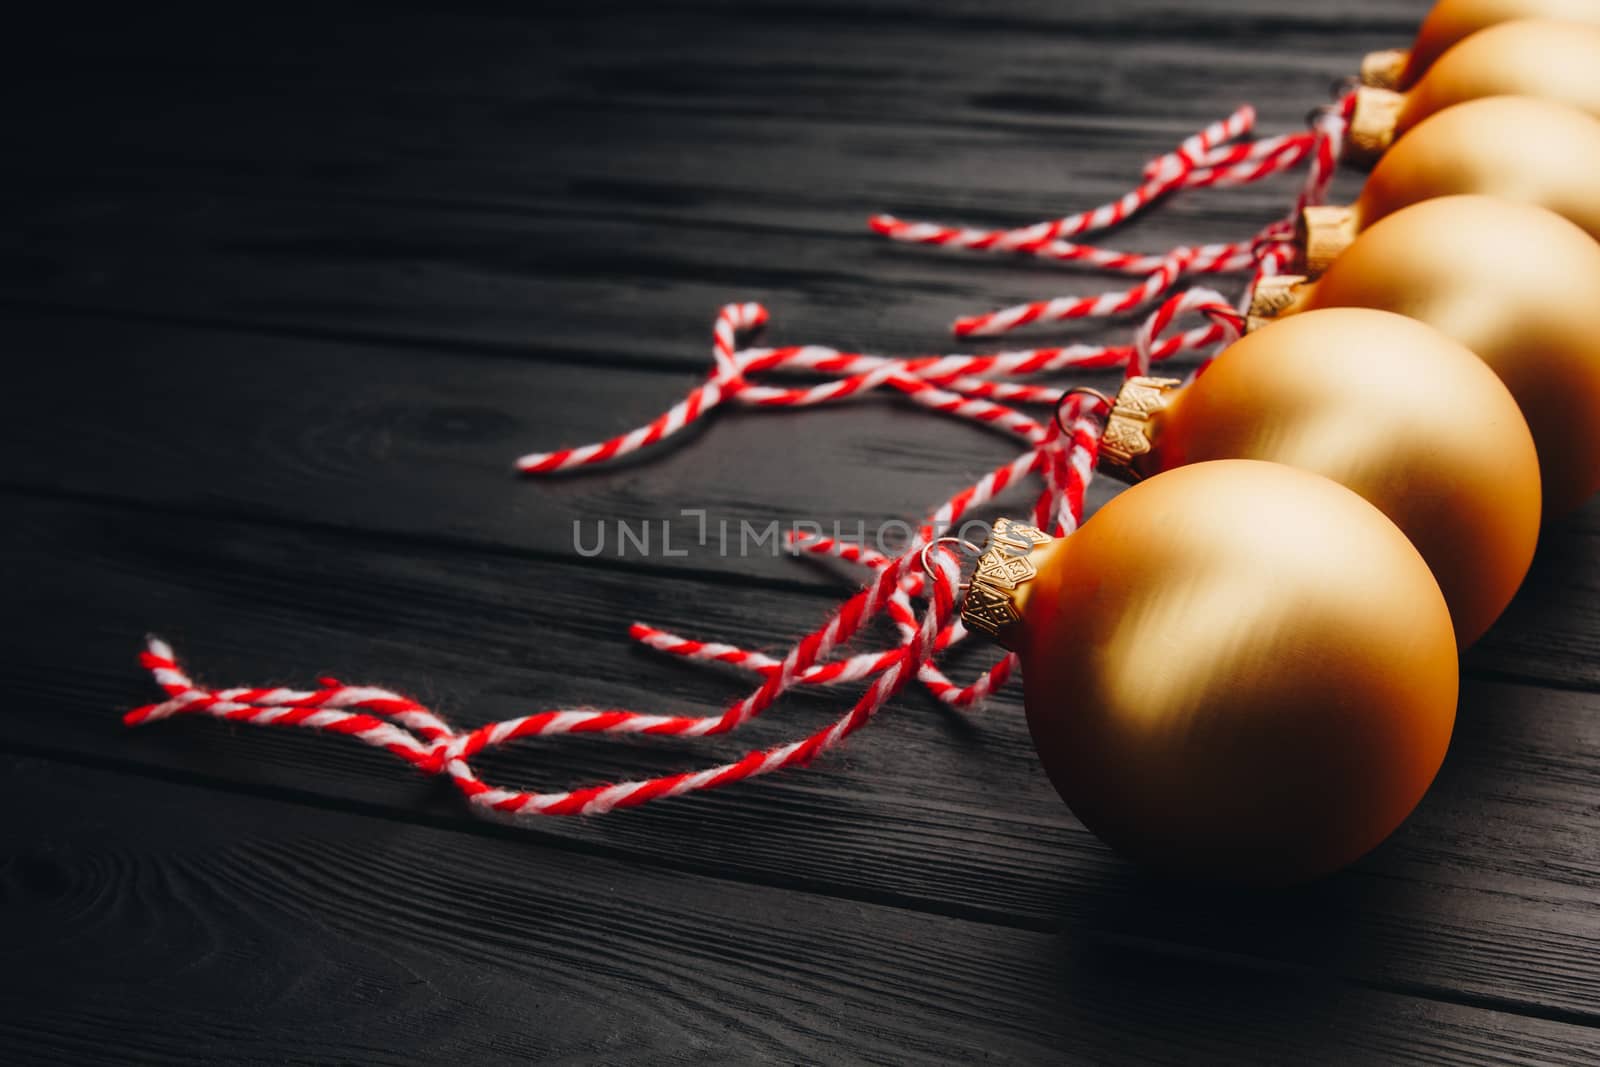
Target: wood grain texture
[(418, 444), (350, 938), (921, 811), (660, 162), (286, 293)]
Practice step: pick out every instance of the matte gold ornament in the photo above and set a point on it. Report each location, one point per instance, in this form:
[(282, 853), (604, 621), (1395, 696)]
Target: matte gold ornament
[(1514, 283), (1552, 60), (1450, 21), (1511, 147), (1235, 671), (1384, 405)]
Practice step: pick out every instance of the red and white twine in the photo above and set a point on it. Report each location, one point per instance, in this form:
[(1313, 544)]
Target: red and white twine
[(1197, 163), (420, 737), (980, 388)]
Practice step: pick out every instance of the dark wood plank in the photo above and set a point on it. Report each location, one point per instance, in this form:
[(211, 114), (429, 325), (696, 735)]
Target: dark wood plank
[(422, 442), (1485, 895), (332, 936), (579, 195), (419, 443), (630, 174), (395, 80), (610, 282)]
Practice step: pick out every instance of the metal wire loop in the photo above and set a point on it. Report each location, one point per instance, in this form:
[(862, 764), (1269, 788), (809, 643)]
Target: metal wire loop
[(1079, 390), (927, 564)]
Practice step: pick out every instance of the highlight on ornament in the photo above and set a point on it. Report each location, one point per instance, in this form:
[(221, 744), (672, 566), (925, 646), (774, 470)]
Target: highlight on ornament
[(1236, 671), (1243, 668), (1514, 283), (1509, 147), (1541, 58), (1384, 405), (1450, 21)]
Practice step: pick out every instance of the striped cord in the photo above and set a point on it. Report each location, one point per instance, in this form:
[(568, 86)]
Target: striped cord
[(404, 728), (950, 384), (1198, 161), (961, 385), (1201, 161), (408, 730)]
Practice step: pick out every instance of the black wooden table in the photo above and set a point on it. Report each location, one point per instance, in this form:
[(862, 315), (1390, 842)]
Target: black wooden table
[(286, 293)]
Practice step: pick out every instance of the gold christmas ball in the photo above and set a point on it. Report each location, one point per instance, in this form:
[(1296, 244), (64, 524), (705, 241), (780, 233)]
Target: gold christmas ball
[(1237, 671), (1450, 21), (1511, 147), (1552, 60), (1384, 405), (1514, 283)]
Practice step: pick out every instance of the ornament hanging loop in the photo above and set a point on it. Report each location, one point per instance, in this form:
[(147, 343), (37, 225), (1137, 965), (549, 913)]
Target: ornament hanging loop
[(1105, 402), (966, 548)]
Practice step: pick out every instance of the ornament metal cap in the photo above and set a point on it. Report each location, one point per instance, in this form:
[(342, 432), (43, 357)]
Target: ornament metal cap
[(1325, 231), (1270, 298), (1372, 123), (1130, 428), (998, 591), (1382, 70)]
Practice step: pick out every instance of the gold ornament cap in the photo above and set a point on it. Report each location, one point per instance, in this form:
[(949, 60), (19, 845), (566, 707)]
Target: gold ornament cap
[(1383, 70), (998, 592), (1130, 428), (1325, 231), (1270, 298), (1372, 123)]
